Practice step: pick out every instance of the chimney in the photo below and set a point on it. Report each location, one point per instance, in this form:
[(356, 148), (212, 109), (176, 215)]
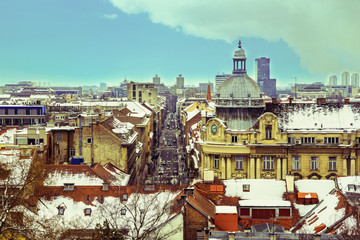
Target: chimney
[(273, 100), (290, 100), (346, 101), (189, 191), (320, 101), (208, 95)]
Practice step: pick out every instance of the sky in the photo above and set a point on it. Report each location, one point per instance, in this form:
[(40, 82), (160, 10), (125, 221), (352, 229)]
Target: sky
[(86, 42)]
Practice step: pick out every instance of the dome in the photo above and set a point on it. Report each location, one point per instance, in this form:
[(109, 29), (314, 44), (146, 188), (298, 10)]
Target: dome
[(240, 53), (239, 86)]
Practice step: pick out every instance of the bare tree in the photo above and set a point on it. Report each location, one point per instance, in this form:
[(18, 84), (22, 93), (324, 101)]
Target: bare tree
[(18, 177), (141, 215)]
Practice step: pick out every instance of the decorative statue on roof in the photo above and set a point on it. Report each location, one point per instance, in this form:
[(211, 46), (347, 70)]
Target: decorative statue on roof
[(239, 43)]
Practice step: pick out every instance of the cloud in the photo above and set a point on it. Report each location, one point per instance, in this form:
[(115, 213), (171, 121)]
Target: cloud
[(324, 34), (110, 16)]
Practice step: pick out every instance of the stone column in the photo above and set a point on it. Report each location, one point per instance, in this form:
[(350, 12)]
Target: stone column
[(229, 168), (258, 167), (344, 167), (278, 168), (223, 167), (284, 167), (252, 168), (352, 167)]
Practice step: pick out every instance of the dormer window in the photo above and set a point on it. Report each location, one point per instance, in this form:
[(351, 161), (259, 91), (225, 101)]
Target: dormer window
[(268, 131), (105, 187), (125, 197), (61, 210), (87, 211), (69, 186), (246, 187), (123, 211)]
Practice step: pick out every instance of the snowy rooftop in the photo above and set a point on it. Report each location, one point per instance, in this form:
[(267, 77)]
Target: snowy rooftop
[(79, 175), (8, 136), (191, 114), (260, 189), (349, 184), (225, 209), (117, 212), (314, 117), (19, 167), (321, 187)]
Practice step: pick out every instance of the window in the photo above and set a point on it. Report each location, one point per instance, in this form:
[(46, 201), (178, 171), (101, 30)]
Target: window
[(16, 111), (123, 211), (331, 140), (69, 186), (284, 213), (58, 151), (105, 187), (244, 211), (246, 187), (125, 197), (89, 140), (296, 163), (87, 211), (234, 139), (59, 137), (291, 140), (314, 163), (216, 161), (6, 111), (307, 140), (238, 162), (27, 111), (263, 213), (268, 162), (101, 200), (332, 163), (61, 210), (268, 131), (72, 152)]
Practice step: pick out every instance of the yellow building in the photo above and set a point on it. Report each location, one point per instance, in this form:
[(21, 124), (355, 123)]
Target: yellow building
[(246, 139)]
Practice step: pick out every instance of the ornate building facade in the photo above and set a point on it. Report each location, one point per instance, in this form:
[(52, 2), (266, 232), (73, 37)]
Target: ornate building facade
[(246, 139)]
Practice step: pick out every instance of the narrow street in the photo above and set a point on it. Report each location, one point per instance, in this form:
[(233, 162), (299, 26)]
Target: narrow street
[(170, 166)]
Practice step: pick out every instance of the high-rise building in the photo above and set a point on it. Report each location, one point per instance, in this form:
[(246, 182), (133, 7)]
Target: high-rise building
[(345, 79), (180, 82), (333, 80), (156, 79), (355, 80), (262, 76), (219, 79)]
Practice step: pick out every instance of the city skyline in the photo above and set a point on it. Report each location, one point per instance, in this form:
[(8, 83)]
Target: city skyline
[(85, 43)]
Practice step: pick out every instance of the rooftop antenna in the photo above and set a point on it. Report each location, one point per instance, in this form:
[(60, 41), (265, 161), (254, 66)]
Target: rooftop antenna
[(295, 89)]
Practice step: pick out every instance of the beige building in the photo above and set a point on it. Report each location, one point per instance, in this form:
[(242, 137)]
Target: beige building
[(142, 92)]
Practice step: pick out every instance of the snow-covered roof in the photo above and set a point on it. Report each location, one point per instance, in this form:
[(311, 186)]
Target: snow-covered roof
[(225, 209), (326, 212), (17, 165), (264, 203), (320, 118), (191, 114), (145, 206), (346, 184), (8, 136), (321, 187), (79, 175), (260, 189)]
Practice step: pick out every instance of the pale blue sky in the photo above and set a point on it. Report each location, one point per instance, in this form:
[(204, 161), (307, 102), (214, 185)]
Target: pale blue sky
[(83, 42)]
